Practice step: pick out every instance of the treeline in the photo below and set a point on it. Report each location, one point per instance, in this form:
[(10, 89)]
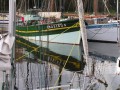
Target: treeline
[(67, 5)]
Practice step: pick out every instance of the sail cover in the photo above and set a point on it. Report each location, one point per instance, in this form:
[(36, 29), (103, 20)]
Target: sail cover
[(6, 43)]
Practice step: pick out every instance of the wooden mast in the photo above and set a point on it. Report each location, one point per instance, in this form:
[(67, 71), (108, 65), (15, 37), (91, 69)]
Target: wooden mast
[(82, 28), (95, 7)]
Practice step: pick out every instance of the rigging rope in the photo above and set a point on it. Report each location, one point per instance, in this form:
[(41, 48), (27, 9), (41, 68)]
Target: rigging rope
[(104, 1), (45, 69), (34, 49), (31, 76), (99, 29), (65, 64), (27, 86)]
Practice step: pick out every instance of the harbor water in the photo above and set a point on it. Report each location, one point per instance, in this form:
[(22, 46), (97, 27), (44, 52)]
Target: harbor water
[(62, 67), (99, 73)]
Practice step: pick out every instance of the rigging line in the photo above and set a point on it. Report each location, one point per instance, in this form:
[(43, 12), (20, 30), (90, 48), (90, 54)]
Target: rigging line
[(87, 6), (34, 49), (28, 4), (79, 78), (28, 67), (40, 65), (64, 5), (31, 76), (21, 5), (25, 6), (73, 1), (44, 72), (35, 3), (90, 6), (34, 70), (55, 6), (47, 62), (4, 73), (3, 83), (46, 68), (1, 6), (2, 11), (48, 8), (84, 3), (42, 2), (65, 64), (38, 4), (18, 74), (69, 6), (44, 65), (64, 31), (104, 1), (98, 32), (46, 76), (14, 72), (4, 6), (38, 82), (22, 71), (75, 6), (26, 83)]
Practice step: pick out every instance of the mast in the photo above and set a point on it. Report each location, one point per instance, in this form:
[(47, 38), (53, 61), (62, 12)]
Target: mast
[(82, 27), (118, 29), (117, 9), (95, 7), (11, 16), (11, 31)]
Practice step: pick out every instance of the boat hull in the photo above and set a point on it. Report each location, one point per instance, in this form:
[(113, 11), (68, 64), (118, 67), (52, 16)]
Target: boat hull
[(103, 33), (67, 32), (64, 38)]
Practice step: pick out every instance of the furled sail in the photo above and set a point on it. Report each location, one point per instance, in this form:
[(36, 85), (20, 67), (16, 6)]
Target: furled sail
[(6, 43)]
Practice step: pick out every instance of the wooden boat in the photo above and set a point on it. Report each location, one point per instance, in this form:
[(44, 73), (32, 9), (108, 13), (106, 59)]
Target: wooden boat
[(105, 31), (62, 31)]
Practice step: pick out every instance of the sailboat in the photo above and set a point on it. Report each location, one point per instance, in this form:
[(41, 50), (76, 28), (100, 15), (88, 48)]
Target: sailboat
[(104, 32), (60, 32), (67, 32), (57, 30)]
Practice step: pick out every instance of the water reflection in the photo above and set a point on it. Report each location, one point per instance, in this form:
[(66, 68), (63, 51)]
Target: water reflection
[(65, 56), (48, 72), (46, 67)]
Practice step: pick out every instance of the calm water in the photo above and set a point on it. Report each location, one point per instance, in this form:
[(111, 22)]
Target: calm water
[(98, 74)]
